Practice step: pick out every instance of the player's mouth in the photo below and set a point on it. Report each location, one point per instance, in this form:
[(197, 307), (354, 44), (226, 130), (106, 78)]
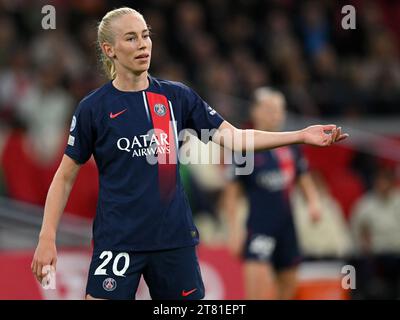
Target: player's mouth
[(142, 57)]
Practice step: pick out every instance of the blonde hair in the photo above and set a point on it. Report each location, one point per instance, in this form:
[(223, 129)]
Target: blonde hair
[(105, 34), (266, 93)]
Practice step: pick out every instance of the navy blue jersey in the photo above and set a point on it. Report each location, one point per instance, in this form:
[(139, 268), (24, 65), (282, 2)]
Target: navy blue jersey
[(267, 187), (133, 137)]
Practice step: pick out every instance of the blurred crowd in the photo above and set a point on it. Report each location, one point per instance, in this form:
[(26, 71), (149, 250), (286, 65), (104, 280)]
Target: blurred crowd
[(224, 49)]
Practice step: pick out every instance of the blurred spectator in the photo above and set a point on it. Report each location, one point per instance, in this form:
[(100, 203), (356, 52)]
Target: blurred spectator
[(375, 225), (56, 47), (375, 219), (298, 47), (45, 111), (315, 27), (7, 34), (329, 92), (15, 83)]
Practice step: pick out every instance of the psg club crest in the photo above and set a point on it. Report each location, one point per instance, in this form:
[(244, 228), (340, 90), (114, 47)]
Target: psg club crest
[(160, 109), (109, 284)]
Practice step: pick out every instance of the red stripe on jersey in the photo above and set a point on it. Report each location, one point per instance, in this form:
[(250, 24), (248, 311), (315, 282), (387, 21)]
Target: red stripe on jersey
[(163, 129)]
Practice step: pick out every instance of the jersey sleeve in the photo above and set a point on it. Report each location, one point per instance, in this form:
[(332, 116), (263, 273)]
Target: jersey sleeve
[(198, 114), (80, 143)]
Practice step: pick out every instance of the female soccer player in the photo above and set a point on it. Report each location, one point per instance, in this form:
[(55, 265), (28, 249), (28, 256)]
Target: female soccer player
[(269, 244), (143, 224)]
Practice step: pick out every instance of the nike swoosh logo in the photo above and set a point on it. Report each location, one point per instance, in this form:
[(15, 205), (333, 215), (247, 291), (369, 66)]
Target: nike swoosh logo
[(186, 293), (112, 116)]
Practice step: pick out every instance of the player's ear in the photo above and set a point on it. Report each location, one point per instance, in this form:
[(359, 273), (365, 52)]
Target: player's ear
[(108, 50)]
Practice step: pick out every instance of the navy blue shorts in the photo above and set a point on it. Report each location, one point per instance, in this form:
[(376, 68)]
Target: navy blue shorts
[(276, 244), (170, 274)]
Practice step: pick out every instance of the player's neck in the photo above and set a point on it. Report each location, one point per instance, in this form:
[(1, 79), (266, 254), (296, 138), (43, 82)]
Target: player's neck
[(131, 82)]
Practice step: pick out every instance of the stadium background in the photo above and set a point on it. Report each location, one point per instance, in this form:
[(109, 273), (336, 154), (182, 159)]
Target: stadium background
[(224, 49)]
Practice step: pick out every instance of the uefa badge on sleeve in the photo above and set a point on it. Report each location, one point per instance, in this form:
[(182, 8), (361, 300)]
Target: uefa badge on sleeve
[(109, 284), (160, 109), (73, 124)]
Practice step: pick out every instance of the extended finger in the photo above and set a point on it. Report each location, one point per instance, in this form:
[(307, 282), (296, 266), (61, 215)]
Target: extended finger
[(39, 267), (338, 133), (36, 270), (342, 137)]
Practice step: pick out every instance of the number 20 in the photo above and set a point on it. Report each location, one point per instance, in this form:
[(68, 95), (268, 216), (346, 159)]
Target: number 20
[(108, 256)]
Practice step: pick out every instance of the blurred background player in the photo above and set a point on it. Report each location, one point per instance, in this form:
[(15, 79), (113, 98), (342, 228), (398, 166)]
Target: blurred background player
[(269, 244)]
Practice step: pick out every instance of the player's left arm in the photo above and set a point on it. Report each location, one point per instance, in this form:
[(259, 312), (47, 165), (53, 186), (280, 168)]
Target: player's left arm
[(255, 140)]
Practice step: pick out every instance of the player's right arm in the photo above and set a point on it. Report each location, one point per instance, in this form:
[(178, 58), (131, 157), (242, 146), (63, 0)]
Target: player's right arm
[(57, 197)]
